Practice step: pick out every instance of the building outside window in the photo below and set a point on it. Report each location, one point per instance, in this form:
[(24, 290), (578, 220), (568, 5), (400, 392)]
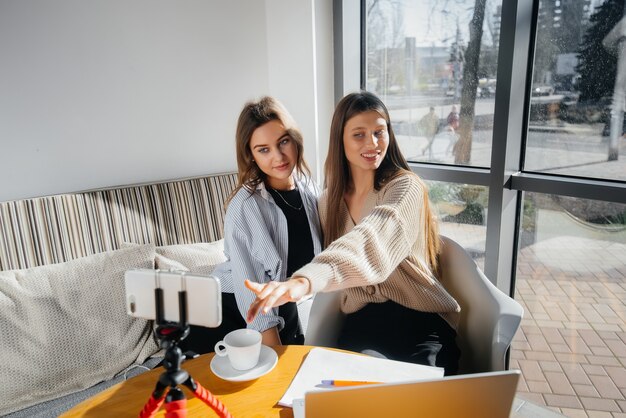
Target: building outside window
[(540, 91)]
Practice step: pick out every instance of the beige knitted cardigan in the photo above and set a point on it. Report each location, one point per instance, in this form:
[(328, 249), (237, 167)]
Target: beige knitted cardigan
[(384, 257)]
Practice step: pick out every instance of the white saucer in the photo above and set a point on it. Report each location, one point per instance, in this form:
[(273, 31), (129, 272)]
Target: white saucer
[(221, 367)]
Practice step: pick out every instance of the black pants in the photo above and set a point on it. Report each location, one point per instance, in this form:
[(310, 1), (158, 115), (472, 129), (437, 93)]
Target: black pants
[(403, 334), (202, 340)]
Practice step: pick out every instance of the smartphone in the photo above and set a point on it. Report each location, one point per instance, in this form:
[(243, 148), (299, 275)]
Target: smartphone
[(204, 295)]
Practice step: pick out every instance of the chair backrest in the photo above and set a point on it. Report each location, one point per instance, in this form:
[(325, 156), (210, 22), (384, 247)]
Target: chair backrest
[(489, 317), (325, 320)]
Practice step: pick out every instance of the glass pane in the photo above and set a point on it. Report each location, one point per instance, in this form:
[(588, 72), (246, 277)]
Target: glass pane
[(437, 80), (571, 279), (576, 119), (462, 213)]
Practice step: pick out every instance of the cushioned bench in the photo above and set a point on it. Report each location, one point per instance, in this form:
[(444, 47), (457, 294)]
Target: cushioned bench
[(65, 332)]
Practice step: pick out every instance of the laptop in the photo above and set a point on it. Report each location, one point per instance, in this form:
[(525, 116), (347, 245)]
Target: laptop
[(485, 395)]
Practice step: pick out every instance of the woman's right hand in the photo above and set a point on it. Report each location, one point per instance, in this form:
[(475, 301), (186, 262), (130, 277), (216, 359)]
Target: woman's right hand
[(274, 294)]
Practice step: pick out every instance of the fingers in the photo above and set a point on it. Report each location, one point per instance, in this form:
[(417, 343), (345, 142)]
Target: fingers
[(255, 287), (255, 307), (258, 305), (276, 298), (267, 297), (275, 294), (261, 290), (265, 304), (253, 310), (269, 288)]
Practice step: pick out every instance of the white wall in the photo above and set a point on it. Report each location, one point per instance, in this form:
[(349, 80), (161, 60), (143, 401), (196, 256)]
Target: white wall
[(103, 93), (299, 39), (325, 75)]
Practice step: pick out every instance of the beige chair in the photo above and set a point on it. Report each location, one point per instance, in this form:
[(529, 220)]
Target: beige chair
[(325, 320), (489, 318)]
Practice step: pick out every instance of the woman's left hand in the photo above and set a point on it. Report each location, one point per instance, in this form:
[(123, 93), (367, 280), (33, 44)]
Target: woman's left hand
[(275, 294)]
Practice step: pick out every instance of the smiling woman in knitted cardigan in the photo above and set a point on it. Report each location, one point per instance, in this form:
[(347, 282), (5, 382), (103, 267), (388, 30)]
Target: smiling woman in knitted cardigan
[(382, 245)]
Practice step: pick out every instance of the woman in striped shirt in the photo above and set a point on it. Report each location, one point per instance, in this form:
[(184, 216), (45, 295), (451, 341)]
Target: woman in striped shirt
[(271, 227), (382, 246)]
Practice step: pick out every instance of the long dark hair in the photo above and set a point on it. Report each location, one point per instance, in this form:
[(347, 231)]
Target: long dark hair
[(254, 115), (337, 170)]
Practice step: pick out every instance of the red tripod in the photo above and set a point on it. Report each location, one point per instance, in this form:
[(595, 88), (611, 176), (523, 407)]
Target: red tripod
[(170, 334)]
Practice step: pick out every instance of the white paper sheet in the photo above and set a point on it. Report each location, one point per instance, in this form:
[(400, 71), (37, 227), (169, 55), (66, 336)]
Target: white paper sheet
[(323, 364)]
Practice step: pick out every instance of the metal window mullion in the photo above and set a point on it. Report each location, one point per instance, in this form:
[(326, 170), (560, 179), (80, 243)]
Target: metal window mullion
[(452, 174), (363, 60), (513, 76), (348, 45), (583, 188)]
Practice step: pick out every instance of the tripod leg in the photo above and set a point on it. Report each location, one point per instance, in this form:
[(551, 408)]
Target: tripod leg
[(207, 397), (175, 404), (154, 403)]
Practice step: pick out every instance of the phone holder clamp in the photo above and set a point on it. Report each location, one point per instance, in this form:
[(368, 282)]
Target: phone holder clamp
[(167, 390)]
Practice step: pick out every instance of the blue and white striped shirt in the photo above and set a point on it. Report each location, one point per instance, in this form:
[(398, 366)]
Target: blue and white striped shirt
[(256, 243)]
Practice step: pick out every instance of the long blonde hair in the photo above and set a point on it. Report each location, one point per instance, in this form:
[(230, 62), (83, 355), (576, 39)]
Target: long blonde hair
[(254, 115), (337, 169)]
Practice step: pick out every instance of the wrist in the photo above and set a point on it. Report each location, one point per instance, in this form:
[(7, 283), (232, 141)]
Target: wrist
[(306, 283)]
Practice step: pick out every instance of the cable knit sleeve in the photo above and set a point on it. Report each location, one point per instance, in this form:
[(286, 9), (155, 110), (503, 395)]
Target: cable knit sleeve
[(375, 247), (323, 209)]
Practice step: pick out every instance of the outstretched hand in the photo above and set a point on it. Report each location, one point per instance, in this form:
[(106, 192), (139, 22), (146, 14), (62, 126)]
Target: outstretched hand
[(275, 294)]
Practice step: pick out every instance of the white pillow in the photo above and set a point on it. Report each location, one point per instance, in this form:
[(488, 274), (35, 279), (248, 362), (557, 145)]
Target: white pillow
[(198, 258), (64, 327)]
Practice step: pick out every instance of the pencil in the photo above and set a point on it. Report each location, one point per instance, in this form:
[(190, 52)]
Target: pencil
[(347, 383)]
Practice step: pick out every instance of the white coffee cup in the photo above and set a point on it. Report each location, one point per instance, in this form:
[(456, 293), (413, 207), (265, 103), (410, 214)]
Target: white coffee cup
[(242, 346)]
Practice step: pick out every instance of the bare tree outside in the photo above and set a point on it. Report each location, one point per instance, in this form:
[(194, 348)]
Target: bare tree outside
[(463, 148), (429, 53)]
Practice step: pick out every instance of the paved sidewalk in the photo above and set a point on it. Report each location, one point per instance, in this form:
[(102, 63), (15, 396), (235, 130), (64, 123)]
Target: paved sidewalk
[(572, 344), (571, 347)]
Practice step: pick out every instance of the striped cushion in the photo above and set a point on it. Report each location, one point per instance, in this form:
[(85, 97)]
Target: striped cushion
[(35, 232)]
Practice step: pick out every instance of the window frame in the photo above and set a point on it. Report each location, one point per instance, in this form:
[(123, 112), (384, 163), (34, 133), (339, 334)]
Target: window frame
[(506, 177)]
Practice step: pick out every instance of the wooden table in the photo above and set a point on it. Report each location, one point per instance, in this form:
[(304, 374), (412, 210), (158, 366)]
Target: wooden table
[(255, 398)]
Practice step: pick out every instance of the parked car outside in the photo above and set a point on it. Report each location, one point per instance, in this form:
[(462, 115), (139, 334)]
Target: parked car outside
[(542, 91)]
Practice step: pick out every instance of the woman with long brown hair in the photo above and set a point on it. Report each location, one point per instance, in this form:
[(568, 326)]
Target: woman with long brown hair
[(271, 228), (382, 246)]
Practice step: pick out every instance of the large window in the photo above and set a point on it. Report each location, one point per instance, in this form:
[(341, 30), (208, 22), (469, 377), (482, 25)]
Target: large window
[(420, 62), (462, 213), (571, 280), (576, 118), (537, 158)]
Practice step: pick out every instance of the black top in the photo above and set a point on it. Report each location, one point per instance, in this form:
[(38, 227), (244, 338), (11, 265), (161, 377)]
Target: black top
[(300, 241), (299, 253)]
